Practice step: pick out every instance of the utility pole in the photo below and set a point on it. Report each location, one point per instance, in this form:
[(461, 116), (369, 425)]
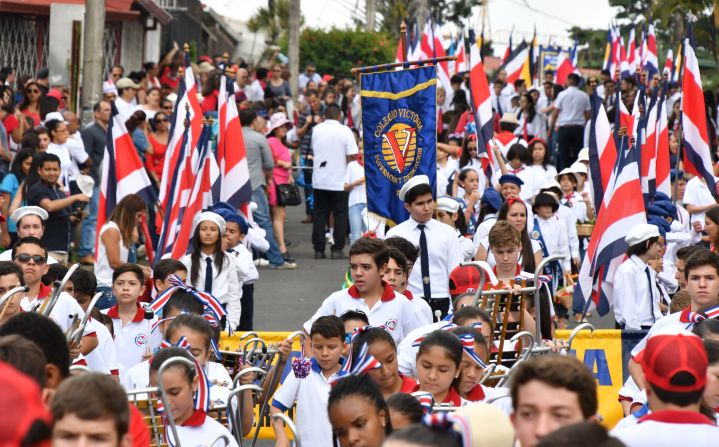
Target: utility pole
[(294, 45), (92, 56), (371, 9)]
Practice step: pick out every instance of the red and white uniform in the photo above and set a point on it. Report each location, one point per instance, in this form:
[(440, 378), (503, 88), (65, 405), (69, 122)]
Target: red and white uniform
[(421, 307), (667, 428), (393, 310), (499, 397), (200, 429), (64, 311), (133, 340), (103, 359), (407, 354)]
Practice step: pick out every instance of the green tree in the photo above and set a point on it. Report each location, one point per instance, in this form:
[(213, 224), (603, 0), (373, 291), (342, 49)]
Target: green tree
[(597, 39), (445, 11), (273, 20), (339, 50)]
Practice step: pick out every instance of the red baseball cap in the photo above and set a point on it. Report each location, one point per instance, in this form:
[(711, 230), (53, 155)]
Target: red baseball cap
[(23, 395), (668, 354), (463, 280)]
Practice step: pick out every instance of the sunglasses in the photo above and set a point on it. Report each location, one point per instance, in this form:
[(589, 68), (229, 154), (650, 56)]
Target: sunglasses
[(33, 91), (161, 121), (37, 259), (168, 108)]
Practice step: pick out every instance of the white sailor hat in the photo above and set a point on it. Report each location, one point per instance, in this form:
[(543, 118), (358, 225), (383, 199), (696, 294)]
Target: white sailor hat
[(583, 154), (414, 181), (552, 183), (447, 204), (567, 171), (26, 211), (209, 216), (641, 233), (579, 168)]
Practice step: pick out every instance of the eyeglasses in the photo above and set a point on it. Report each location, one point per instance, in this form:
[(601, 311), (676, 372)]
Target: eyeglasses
[(37, 259), (167, 107)]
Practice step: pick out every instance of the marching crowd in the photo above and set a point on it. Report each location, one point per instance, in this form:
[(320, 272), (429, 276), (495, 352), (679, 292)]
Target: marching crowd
[(405, 336)]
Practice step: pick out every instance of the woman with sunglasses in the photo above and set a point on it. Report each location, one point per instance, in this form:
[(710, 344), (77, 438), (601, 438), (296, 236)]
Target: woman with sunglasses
[(155, 161), (278, 87), (30, 105)]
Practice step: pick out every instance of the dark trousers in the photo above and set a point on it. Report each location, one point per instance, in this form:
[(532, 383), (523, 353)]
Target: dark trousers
[(325, 202), (570, 140), (248, 305), (439, 304), (307, 173)]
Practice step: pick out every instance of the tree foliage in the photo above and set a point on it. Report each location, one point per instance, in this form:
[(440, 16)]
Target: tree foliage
[(340, 50), (593, 56), (391, 12), (275, 20)]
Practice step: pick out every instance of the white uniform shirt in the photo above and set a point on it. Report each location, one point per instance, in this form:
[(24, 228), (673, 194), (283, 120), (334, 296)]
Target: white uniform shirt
[(544, 174), (332, 143), (669, 427), (570, 223), (407, 354), (246, 269), (697, 194), (225, 285), (311, 394), (358, 194), (133, 340), (200, 430), (443, 175), (103, 358), (62, 314), (444, 254), (575, 203), (535, 128), (393, 310), (467, 247), (636, 299), (572, 103), (482, 231), (421, 307), (476, 164), (532, 182), (554, 234), (66, 166), (679, 320)]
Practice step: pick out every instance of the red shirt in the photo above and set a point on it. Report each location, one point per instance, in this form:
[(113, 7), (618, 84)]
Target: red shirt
[(209, 103), (138, 429), (409, 385), (155, 162), (476, 394), (166, 79)]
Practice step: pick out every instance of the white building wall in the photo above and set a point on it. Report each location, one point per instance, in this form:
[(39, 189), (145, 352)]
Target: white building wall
[(131, 55), (60, 42)]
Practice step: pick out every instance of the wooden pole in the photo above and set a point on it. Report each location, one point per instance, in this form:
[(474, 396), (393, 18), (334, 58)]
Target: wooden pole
[(372, 68), (403, 39)]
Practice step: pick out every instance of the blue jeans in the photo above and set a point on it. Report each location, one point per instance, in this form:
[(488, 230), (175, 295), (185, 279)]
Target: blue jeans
[(89, 226), (357, 223), (262, 217)]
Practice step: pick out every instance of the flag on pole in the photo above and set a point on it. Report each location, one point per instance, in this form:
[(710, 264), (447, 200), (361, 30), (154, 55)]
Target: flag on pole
[(668, 64), (517, 64), (602, 149), (678, 63), (508, 50), (122, 171), (697, 155), (650, 60), (564, 67), (461, 65), (632, 52), (622, 208), (481, 104), (235, 187), (607, 62), (648, 167), (663, 163), (200, 196)]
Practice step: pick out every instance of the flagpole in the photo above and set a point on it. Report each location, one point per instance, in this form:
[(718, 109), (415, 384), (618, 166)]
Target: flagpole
[(386, 67)]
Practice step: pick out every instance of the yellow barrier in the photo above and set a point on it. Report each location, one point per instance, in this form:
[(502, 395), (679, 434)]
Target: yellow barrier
[(602, 354), (233, 343)]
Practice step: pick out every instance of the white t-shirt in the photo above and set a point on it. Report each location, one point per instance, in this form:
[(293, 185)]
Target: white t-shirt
[(64, 311), (393, 310), (332, 143), (358, 194), (103, 271), (66, 166), (697, 193), (407, 354)]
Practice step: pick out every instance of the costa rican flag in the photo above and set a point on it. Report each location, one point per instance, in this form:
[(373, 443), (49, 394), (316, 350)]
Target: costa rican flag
[(122, 171), (200, 196), (697, 158), (235, 187), (668, 64), (662, 162), (564, 67), (517, 64), (481, 104), (650, 61), (432, 47), (648, 165), (632, 52), (602, 149), (460, 65), (180, 160), (621, 209)]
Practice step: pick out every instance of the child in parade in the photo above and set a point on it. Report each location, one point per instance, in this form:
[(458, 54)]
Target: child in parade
[(311, 391), (181, 383), (353, 320), (468, 160), (404, 410), (371, 294), (211, 269), (397, 274), (162, 271), (489, 206), (448, 212), (516, 167), (358, 413), (469, 181), (551, 233), (568, 181), (438, 361), (539, 160)]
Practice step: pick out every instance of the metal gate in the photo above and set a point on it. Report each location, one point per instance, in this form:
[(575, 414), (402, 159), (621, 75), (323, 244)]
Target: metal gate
[(112, 42), (23, 43)]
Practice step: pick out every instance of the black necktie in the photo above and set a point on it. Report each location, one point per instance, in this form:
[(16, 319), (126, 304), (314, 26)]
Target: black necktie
[(424, 260), (208, 275), (651, 294)]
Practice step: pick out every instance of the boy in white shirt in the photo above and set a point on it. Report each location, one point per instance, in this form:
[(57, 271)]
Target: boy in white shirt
[(636, 297), (397, 274), (357, 202), (311, 390), (697, 199)]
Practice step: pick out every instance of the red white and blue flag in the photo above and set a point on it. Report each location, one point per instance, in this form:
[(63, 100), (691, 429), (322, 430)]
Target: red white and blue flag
[(565, 67), (481, 104), (668, 64), (622, 207), (663, 164), (650, 60), (697, 155), (235, 187), (432, 47), (122, 171), (602, 149)]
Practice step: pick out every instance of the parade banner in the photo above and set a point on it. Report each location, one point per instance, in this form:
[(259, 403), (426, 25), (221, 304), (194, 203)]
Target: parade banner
[(606, 353), (548, 57), (399, 125)]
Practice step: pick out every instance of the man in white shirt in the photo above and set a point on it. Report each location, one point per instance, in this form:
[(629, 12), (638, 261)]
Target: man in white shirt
[(571, 112), (333, 146), (675, 368), (310, 74), (439, 247), (125, 101), (636, 298), (697, 199)]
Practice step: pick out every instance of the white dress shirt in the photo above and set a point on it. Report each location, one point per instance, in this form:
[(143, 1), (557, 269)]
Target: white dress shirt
[(246, 270), (532, 182), (572, 103), (570, 223), (554, 234), (636, 299), (124, 109), (444, 254), (225, 285), (697, 193), (332, 143)]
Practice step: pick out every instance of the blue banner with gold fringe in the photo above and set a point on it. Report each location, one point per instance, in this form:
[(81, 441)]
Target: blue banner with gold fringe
[(399, 126)]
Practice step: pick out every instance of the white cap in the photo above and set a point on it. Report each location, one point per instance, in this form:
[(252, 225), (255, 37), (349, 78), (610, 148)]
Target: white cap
[(551, 184), (54, 116), (447, 204), (209, 216), (509, 118), (109, 88), (26, 211), (414, 181), (579, 168), (567, 171), (583, 154), (641, 233), (86, 184)]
